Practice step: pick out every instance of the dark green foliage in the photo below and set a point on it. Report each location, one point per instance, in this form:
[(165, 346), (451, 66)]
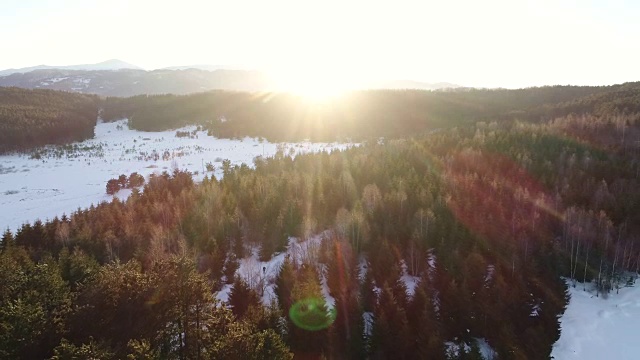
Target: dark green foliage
[(91, 350), (34, 304), (489, 217), (364, 114), (7, 240), (30, 118), (167, 312), (391, 336), (308, 317), (242, 297), (76, 267), (421, 314), (284, 285)]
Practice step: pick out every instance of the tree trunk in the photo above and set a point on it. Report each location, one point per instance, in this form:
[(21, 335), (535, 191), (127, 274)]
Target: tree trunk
[(584, 277)]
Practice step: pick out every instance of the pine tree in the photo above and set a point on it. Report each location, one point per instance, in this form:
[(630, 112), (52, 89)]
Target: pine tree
[(309, 316), (242, 297), (347, 332), (7, 240), (427, 342), (391, 334), (399, 287), (369, 296), (284, 283)]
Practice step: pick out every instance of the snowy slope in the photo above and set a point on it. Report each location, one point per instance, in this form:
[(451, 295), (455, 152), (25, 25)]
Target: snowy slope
[(598, 328), (33, 189)]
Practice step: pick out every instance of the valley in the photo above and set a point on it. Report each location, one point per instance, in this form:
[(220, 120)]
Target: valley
[(49, 182)]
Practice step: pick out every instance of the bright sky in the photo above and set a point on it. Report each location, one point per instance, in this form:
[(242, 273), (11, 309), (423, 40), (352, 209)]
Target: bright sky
[(487, 43)]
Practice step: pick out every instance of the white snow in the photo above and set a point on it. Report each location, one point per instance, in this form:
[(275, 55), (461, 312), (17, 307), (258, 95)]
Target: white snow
[(410, 281), (452, 348), (82, 81), (431, 260), (223, 294), (488, 278), (487, 352), (363, 267), (43, 188), (261, 275), (598, 327), (367, 318), (330, 300), (57, 79)]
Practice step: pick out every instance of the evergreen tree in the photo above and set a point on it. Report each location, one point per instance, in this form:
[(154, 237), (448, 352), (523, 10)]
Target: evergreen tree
[(7, 240), (34, 305), (391, 336), (241, 297), (284, 283)]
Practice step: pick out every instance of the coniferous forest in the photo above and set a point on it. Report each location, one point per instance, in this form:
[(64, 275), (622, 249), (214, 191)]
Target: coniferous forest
[(364, 115), (518, 191), (30, 118)]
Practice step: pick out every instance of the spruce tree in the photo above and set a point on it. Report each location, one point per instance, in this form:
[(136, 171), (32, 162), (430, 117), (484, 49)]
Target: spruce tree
[(7, 240), (241, 297), (391, 333), (284, 283)]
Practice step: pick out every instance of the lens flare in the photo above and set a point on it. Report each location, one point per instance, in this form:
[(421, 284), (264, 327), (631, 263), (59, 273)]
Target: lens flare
[(311, 314)]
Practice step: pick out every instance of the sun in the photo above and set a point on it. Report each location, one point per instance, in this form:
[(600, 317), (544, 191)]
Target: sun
[(316, 85)]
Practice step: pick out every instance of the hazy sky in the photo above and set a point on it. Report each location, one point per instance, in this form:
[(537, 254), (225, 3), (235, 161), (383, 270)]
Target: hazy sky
[(474, 43)]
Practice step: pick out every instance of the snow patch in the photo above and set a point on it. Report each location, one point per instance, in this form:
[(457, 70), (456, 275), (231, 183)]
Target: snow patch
[(487, 352), (57, 79), (410, 281), (223, 294), (600, 328), (261, 275), (453, 348), (367, 318)]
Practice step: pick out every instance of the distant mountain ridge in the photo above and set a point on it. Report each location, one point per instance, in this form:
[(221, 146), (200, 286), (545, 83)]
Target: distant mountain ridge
[(113, 64), (118, 78), (128, 82), (205, 67), (411, 84)]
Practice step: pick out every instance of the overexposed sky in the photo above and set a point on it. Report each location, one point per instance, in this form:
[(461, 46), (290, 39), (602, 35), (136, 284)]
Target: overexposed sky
[(489, 43)]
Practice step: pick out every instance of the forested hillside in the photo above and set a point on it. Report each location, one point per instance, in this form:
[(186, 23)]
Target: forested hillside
[(130, 82), (488, 217), (30, 118), (362, 114)]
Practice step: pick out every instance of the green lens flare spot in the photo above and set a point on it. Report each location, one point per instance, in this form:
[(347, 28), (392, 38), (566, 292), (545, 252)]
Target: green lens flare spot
[(311, 314)]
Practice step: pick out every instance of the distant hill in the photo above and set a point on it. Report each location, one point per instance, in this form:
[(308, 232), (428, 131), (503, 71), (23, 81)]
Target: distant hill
[(118, 78), (410, 84), (361, 115), (129, 82), (113, 64), (205, 67)]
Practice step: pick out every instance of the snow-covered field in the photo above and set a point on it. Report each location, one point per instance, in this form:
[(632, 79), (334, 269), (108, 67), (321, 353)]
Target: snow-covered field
[(598, 328), (43, 188)]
